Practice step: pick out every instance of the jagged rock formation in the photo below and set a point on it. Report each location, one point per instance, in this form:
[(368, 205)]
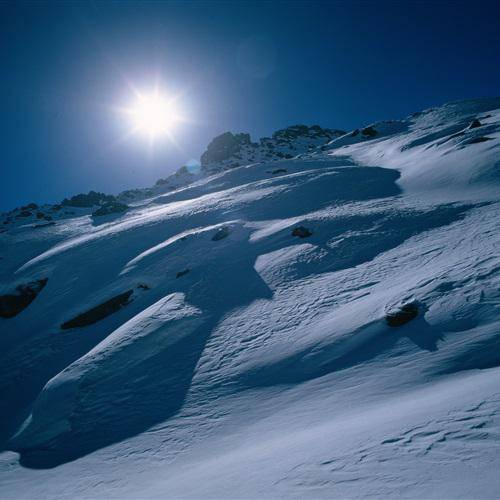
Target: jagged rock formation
[(225, 146), (232, 150), (91, 199), (225, 151)]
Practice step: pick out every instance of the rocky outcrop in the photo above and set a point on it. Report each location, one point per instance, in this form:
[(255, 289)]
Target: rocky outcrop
[(401, 315), (112, 207), (475, 124), (30, 206), (369, 132), (232, 150), (91, 199), (12, 304), (99, 312), (301, 232), (225, 146)]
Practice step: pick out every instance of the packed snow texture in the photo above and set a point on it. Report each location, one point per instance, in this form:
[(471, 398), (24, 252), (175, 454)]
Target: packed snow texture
[(247, 336)]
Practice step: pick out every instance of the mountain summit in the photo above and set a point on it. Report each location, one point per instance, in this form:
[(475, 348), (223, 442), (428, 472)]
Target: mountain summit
[(233, 150)]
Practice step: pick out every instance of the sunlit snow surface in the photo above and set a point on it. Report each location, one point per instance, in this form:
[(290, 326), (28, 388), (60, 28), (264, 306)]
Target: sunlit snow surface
[(267, 370)]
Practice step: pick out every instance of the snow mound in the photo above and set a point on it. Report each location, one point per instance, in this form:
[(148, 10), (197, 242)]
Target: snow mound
[(98, 384)]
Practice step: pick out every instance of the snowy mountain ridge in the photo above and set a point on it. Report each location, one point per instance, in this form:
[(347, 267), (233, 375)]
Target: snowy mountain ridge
[(224, 151), (320, 326)]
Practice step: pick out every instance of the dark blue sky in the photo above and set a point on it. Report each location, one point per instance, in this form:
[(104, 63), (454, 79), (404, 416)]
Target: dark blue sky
[(255, 67)]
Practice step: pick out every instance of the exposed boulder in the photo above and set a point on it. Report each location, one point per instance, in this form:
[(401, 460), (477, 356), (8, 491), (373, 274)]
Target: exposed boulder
[(279, 171), (301, 232), (221, 233), (111, 207), (402, 314), (475, 124), (13, 304), (99, 312)]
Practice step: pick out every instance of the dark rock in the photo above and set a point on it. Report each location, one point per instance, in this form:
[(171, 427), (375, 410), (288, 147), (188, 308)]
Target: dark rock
[(280, 171), (182, 273), (301, 232), (369, 132), (47, 217), (477, 140), (112, 207), (30, 206), (475, 123), (99, 312), (45, 224), (221, 233), (39, 215), (291, 133), (91, 199), (143, 286), (354, 133), (224, 147), (13, 304), (402, 314)]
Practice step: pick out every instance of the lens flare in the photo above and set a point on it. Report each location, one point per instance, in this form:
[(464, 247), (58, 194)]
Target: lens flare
[(153, 115)]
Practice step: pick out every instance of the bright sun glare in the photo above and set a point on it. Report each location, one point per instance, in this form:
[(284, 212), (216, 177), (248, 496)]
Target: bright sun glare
[(153, 115)]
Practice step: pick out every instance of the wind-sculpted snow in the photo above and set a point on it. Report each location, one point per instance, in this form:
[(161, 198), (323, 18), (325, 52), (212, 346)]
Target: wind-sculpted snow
[(100, 398), (253, 357)]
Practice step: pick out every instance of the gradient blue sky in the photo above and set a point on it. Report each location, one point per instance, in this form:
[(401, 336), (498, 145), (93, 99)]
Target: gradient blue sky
[(252, 67)]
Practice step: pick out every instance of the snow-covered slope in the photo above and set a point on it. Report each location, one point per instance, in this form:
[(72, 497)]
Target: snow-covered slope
[(325, 325)]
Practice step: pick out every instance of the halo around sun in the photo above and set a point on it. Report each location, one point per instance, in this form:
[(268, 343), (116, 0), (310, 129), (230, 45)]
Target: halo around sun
[(153, 115)]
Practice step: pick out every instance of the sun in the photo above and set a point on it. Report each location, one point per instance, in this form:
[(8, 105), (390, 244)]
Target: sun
[(153, 115)]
